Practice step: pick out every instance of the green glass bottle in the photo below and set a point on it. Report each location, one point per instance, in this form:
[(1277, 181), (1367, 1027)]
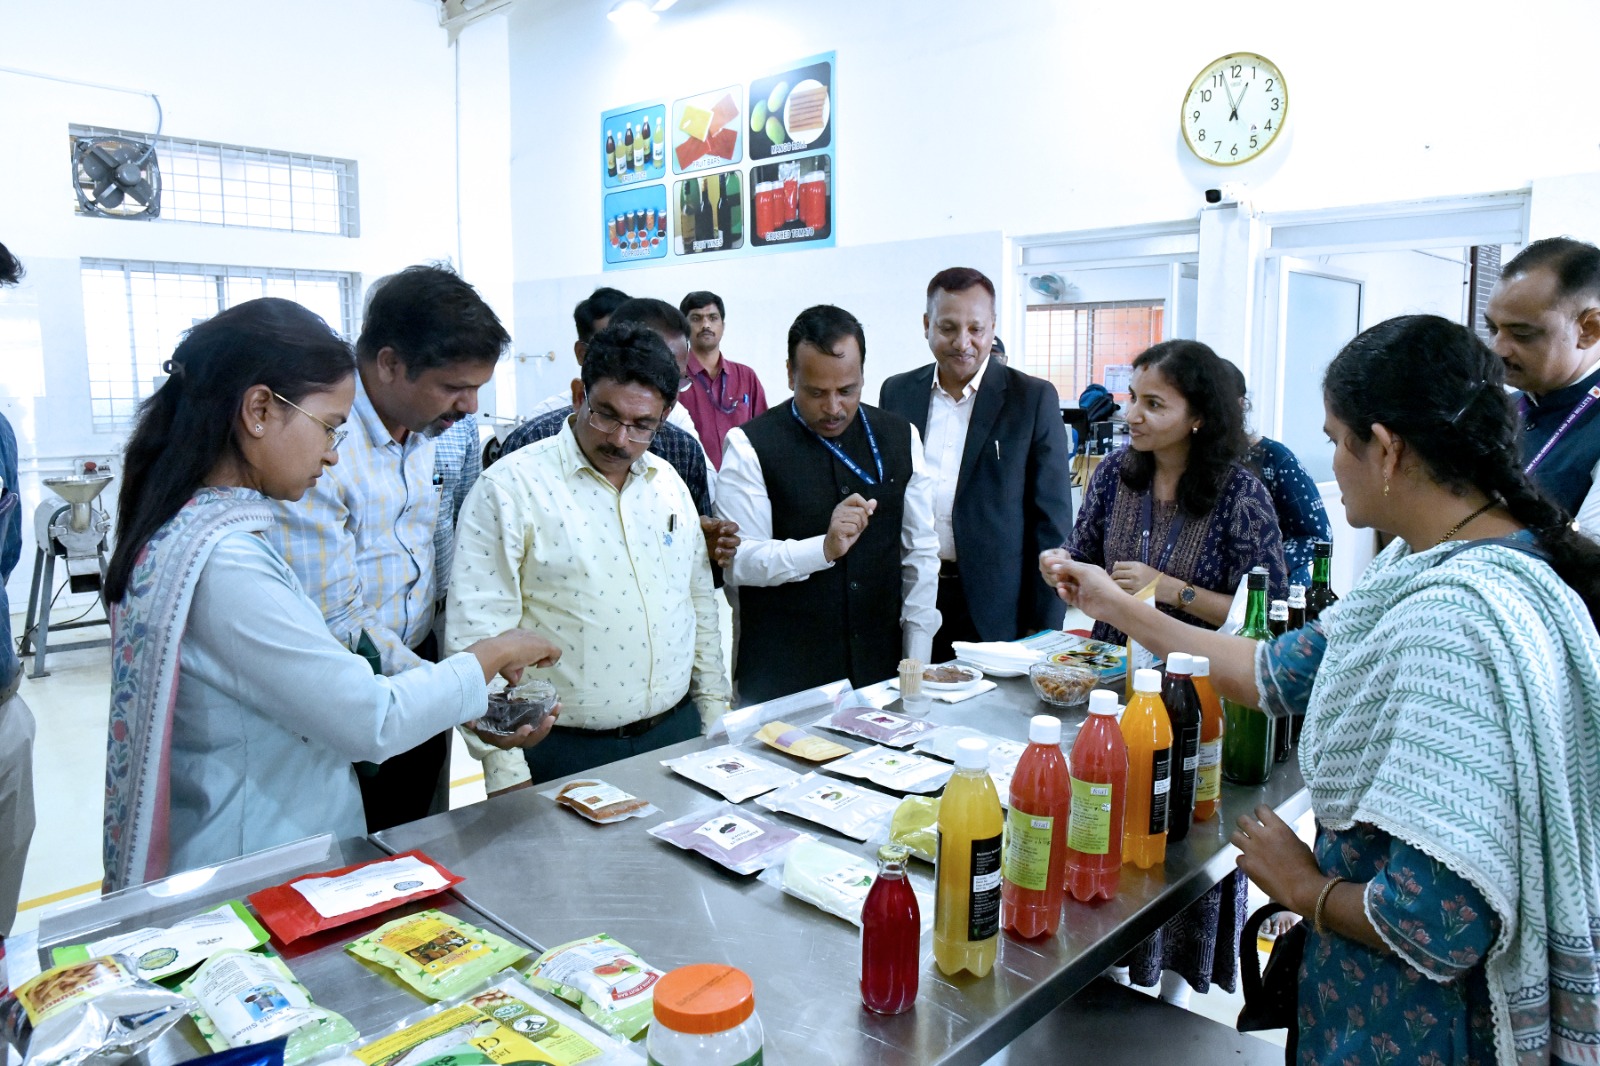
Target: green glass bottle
[(1247, 732), (1320, 596)]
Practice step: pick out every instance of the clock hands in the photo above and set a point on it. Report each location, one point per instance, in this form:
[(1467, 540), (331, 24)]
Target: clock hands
[(1237, 102), (1233, 105)]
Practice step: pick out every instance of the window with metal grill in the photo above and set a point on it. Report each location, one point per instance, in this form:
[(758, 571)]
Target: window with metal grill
[(135, 314), (232, 185), (1076, 345)]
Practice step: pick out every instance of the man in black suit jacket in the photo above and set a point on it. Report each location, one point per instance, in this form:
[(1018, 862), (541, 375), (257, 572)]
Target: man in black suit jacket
[(997, 450)]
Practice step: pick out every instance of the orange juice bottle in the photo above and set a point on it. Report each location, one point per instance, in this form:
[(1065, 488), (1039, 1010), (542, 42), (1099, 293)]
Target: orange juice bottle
[(966, 901), (1148, 733), (1209, 786)]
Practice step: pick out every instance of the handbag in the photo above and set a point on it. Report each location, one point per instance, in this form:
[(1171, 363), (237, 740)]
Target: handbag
[(1272, 994)]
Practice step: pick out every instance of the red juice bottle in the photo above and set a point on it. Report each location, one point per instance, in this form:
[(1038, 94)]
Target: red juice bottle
[(891, 937), (1099, 796), (1032, 868)]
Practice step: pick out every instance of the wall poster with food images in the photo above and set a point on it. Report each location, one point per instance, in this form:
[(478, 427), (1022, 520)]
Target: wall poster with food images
[(635, 225), (791, 181), (708, 213), (706, 131), (633, 144)]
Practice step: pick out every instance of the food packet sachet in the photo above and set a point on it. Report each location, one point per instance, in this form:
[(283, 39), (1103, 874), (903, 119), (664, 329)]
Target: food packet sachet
[(244, 997), (437, 954), (90, 1013), (161, 953), (314, 902), (608, 982), (792, 740), (736, 774), (853, 810)]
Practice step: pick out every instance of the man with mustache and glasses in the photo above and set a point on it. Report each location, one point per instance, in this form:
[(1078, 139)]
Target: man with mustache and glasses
[(362, 541), (721, 394), (594, 541), (838, 563)]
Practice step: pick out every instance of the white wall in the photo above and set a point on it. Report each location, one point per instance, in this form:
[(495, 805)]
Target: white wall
[(369, 80)]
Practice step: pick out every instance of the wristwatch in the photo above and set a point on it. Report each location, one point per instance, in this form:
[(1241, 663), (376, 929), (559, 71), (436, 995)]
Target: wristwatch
[(1186, 597)]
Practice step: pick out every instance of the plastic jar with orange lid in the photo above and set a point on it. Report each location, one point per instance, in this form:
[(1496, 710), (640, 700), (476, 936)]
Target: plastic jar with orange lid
[(705, 1015)]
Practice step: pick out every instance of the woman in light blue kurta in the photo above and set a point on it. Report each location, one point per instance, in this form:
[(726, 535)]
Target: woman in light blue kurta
[(235, 715), (1452, 736)]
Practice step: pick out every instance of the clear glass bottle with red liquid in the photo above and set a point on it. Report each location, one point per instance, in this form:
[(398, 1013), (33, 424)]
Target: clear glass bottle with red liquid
[(1099, 775), (891, 936), (1032, 868)]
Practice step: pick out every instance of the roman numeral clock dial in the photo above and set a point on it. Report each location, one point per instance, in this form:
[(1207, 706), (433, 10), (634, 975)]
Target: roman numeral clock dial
[(1235, 109)]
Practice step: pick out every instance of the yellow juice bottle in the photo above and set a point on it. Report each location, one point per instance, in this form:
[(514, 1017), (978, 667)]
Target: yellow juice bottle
[(966, 907), (1148, 733)]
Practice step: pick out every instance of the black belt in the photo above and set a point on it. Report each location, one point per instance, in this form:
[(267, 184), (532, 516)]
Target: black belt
[(948, 568), (624, 732)]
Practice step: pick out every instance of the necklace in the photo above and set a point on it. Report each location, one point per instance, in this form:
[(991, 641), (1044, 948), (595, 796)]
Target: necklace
[(1459, 526)]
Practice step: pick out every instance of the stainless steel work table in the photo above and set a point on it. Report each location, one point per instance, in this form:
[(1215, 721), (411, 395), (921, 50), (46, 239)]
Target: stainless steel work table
[(372, 999), (550, 877)]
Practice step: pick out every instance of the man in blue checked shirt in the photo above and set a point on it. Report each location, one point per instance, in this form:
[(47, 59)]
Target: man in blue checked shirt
[(362, 541)]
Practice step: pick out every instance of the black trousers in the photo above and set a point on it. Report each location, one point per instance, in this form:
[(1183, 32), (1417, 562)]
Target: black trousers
[(406, 787), (567, 753), (956, 621)]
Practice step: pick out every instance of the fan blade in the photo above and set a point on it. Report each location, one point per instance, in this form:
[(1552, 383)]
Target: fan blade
[(108, 196), (142, 192), (95, 164)]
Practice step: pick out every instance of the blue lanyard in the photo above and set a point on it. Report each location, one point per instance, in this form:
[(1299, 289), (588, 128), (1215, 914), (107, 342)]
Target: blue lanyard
[(1149, 526), (1588, 401), (838, 452), (721, 404)]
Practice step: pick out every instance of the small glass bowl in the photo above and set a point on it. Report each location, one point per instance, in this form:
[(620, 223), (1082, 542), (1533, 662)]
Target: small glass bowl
[(524, 704), (1061, 685)]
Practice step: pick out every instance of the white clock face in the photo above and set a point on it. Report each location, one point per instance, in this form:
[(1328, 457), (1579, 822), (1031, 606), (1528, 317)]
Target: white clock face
[(1236, 107)]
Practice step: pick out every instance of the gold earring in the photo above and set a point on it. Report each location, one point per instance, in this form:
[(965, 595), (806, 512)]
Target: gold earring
[(1386, 484)]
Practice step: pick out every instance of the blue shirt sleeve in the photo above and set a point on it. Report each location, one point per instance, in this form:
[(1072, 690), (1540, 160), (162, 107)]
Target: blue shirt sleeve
[(1286, 669)]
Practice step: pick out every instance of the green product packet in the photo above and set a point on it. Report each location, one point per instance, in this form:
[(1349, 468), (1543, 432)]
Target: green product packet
[(163, 953), (247, 997), (436, 954), (608, 982)]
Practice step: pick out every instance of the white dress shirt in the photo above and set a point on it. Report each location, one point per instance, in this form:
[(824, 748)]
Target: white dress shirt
[(762, 561), (948, 421)]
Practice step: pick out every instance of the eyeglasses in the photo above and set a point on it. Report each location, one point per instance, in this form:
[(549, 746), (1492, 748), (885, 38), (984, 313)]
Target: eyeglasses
[(336, 434), (608, 425)]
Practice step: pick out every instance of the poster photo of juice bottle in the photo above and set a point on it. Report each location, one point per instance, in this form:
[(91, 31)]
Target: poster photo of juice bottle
[(635, 225), (706, 131), (708, 213), (792, 202), (792, 112), (633, 144)]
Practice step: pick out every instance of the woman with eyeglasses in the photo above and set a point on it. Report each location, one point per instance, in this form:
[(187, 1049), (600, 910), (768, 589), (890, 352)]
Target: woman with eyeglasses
[(235, 714)]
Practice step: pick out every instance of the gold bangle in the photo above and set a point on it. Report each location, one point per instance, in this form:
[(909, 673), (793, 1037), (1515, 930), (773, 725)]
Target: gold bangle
[(1322, 901)]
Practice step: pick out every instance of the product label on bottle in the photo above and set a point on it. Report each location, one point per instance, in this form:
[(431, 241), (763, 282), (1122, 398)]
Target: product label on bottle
[(1089, 828), (1208, 785), (1027, 853), (1191, 751), (1160, 788), (983, 908)]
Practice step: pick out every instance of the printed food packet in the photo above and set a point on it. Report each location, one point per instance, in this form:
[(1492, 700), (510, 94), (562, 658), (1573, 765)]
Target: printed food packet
[(1140, 657), (736, 774), (743, 842), (600, 802), (436, 954), (266, 1053), (161, 953), (90, 1013), (309, 904), (246, 998), (899, 770), (849, 809), (1003, 754), (854, 715), (458, 1032), (915, 825), (792, 740), (833, 880), (554, 1030), (609, 983)]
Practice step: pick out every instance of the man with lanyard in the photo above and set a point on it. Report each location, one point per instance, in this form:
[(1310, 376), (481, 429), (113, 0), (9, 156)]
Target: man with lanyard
[(16, 720), (362, 540), (589, 538), (722, 394), (838, 564), (1544, 320), (998, 455)]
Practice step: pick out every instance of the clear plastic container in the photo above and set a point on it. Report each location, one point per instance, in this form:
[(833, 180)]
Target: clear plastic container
[(705, 1015)]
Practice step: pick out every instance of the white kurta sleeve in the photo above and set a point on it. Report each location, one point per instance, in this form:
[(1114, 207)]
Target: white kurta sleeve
[(742, 498)]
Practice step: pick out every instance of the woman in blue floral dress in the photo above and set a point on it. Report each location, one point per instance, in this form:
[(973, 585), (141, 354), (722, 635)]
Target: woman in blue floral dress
[(1452, 737)]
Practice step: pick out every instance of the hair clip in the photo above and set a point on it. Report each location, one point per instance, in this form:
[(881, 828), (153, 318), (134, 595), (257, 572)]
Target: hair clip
[(1472, 398)]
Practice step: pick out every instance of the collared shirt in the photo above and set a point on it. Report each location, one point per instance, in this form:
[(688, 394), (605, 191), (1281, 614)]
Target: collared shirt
[(718, 404), (670, 443), (763, 561), (10, 551), (1543, 417), (619, 581), (948, 421), (457, 462), (361, 541)]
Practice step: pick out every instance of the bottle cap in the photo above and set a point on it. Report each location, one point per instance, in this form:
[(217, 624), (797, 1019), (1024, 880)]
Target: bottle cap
[(1258, 579), (1202, 665), (893, 853), (1321, 549), (1279, 609), (1102, 701), (1296, 592), (972, 754), (704, 998), (1180, 663), (1044, 729), (1146, 681)]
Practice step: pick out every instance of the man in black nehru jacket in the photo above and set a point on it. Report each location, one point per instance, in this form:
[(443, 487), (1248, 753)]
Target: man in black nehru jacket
[(837, 570)]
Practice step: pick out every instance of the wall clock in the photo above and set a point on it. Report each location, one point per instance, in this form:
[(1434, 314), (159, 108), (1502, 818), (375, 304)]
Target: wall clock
[(1235, 109)]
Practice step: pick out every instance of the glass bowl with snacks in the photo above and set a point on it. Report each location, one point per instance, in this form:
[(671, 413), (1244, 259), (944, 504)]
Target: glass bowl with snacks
[(1061, 685)]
